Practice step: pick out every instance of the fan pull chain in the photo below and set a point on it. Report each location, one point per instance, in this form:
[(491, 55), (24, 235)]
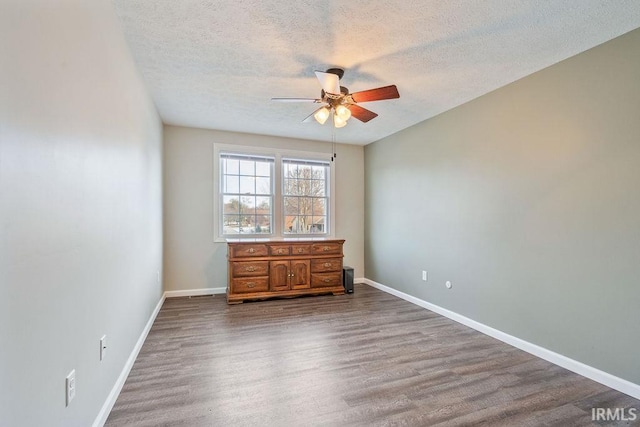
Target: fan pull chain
[(333, 143)]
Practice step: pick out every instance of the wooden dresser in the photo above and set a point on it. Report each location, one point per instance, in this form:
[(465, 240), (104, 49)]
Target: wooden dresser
[(283, 268)]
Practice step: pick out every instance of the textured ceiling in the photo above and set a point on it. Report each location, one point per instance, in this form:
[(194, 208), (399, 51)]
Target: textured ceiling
[(216, 64)]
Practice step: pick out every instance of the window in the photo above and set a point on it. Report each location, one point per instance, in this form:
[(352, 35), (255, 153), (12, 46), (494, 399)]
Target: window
[(247, 194), (263, 193), (305, 196)]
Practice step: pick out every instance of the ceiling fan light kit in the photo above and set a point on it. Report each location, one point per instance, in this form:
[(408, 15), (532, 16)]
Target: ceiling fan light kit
[(338, 122), (339, 103), (321, 115), (343, 112)]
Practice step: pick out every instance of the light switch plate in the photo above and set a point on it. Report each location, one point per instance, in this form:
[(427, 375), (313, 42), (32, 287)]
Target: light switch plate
[(70, 384), (103, 347)]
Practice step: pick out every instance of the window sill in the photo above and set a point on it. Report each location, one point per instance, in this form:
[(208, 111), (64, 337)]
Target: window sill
[(273, 239)]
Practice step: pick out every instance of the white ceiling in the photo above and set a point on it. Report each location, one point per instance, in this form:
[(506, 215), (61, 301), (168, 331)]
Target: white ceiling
[(215, 64)]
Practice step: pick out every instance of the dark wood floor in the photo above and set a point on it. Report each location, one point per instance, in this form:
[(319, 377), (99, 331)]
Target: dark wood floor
[(363, 359)]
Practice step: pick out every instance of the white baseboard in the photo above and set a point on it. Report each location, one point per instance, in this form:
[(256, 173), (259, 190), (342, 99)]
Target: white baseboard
[(195, 292), (117, 387), (115, 391), (580, 368)]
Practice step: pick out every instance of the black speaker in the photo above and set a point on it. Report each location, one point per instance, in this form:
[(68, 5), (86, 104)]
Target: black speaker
[(347, 279)]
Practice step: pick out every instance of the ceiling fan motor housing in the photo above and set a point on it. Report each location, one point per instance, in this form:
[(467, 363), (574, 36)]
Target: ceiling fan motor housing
[(337, 71)]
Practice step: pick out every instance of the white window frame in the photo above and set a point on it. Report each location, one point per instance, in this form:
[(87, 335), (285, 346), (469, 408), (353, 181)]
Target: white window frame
[(326, 197), (278, 185)]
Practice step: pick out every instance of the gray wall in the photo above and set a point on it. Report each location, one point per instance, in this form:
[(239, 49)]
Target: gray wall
[(80, 208), (191, 259), (527, 200)]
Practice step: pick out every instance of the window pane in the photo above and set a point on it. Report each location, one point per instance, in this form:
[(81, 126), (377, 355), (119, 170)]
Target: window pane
[(304, 224), (263, 185), (290, 205), (317, 187), (305, 205), (318, 225), (247, 185), (290, 187), (247, 167), (318, 172), (230, 205), (263, 224), (263, 169), (231, 184), (301, 187), (319, 207), (247, 205), (263, 204), (304, 171), (231, 167), (247, 224), (231, 224), (291, 224)]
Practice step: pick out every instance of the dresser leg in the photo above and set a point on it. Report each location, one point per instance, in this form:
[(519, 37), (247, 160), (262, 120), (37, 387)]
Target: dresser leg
[(235, 302)]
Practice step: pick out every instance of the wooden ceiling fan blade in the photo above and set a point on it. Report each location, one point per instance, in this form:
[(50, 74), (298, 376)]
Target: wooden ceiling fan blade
[(378, 94), (297, 100), (360, 113), (330, 82)]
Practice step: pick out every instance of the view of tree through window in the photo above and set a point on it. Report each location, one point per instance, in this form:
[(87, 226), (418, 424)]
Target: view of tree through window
[(305, 196), (247, 194)]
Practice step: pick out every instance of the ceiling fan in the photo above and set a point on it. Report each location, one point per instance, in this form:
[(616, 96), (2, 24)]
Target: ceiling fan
[(339, 103)]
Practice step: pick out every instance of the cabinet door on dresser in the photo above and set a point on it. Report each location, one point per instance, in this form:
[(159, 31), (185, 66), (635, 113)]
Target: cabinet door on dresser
[(300, 274), (294, 274), (279, 275)]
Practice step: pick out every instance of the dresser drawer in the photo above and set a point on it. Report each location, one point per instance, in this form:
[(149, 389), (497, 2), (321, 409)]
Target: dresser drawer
[(250, 284), (250, 268), (327, 264), (279, 250), (240, 251), (326, 248), (320, 280), (300, 249)]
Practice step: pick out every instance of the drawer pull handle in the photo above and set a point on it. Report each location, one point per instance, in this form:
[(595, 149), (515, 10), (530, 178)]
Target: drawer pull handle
[(327, 280), (251, 285), (326, 248), (300, 250), (327, 264), (280, 251), (250, 268), (251, 250)]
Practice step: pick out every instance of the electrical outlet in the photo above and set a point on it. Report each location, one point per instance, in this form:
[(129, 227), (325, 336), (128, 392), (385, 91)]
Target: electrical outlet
[(103, 347), (424, 275), (70, 387)]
